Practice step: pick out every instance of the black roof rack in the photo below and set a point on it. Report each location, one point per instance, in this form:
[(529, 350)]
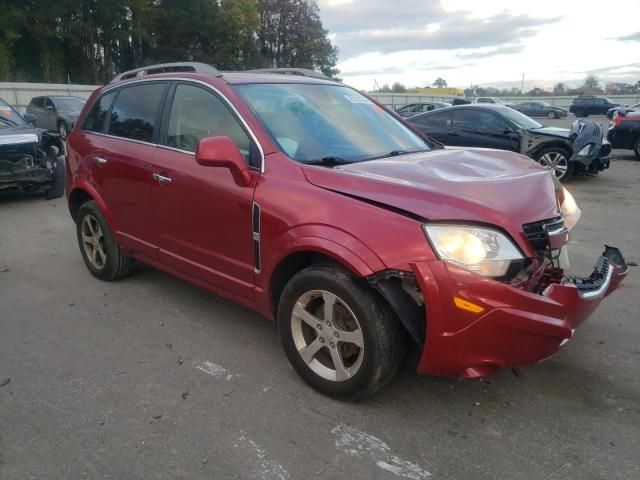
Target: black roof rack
[(302, 72), (195, 67)]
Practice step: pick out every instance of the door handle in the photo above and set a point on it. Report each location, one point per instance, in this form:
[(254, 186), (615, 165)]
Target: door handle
[(100, 160), (160, 179)]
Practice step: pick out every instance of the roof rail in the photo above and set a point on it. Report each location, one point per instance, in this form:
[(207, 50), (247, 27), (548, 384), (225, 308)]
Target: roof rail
[(302, 72), (195, 67)]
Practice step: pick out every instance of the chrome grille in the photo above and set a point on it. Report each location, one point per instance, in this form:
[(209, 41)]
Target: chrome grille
[(537, 232)]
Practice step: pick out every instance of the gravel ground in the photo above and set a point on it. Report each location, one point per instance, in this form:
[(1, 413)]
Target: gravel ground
[(151, 377)]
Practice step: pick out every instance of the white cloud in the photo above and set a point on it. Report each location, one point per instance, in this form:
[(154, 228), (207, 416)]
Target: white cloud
[(466, 41)]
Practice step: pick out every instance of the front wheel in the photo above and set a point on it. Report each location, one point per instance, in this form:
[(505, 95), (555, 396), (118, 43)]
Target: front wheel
[(340, 337), (557, 160), (100, 250), (636, 148), (552, 115)]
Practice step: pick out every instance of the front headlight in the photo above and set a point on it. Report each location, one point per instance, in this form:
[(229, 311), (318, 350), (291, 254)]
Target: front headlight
[(569, 209), (481, 250), (584, 151)]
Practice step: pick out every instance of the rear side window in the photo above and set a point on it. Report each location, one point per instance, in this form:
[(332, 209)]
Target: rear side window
[(477, 120), (197, 113), (36, 102), (98, 114), (135, 110), (441, 120)]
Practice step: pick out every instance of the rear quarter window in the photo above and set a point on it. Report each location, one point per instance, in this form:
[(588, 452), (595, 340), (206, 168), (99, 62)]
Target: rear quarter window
[(135, 111), (95, 121)]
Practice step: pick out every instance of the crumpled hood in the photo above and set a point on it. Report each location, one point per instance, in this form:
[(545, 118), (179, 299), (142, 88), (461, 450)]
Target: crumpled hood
[(552, 132), (19, 134), (478, 185)]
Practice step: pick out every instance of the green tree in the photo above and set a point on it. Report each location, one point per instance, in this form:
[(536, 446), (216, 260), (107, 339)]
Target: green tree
[(592, 82), (440, 82), (397, 87), (560, 89)]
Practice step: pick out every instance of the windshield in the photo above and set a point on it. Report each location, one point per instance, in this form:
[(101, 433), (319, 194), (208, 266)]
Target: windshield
[(70, 104), (313, 122), (520, 119), (9, 117)]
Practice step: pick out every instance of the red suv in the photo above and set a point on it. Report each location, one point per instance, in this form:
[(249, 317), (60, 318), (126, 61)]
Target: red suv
[(308, 202)]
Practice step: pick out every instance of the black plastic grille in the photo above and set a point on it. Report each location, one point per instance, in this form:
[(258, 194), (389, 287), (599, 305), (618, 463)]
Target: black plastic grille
[(536, 232)]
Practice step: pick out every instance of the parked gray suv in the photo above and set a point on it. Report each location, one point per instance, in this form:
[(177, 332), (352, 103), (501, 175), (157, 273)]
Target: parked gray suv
[(56, 113)]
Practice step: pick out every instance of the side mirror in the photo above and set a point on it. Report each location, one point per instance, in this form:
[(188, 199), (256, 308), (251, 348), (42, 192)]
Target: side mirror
[(30, 118), (223, 152), (49, 107)]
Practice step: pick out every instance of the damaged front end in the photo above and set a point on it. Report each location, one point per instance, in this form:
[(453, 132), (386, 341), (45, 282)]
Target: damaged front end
[(591, 149), (31, 161)]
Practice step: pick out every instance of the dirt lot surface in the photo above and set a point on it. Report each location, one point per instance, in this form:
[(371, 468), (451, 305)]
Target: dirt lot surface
[(152, 378)]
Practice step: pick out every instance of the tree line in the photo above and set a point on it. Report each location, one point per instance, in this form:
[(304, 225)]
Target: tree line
[(591, 86), (90, 41)]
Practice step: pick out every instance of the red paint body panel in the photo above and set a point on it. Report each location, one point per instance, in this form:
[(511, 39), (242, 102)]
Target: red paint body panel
[(516, 328), (366, 216)]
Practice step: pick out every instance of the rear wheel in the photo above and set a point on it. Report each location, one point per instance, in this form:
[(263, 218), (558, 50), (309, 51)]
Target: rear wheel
[(98, 246), (338, 334), (636, 148), (557, 160), (552, 114)]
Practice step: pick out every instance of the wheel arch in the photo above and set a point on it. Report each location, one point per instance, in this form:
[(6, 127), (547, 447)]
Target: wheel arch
[(84, 192), (303, 252), (561, 144)]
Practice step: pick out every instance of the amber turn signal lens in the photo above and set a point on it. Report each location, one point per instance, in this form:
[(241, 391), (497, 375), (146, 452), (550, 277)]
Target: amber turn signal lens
[(468, 306)]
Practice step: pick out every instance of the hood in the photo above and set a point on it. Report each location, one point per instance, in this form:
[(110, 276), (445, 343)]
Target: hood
[(475, 185), (19, 134), (551, 132)]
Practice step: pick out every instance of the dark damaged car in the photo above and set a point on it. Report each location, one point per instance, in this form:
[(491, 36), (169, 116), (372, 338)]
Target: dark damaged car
[(581, 149), (31, 159)]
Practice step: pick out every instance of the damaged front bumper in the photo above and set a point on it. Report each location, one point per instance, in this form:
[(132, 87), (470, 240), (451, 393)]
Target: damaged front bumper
[(476, 326)]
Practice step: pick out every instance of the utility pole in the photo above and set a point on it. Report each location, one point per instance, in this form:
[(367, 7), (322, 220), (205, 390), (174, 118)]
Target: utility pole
[(522, 85)]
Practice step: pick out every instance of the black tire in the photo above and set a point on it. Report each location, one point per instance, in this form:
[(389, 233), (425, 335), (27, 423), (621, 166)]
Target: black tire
[(58, 178), (382, 335), (636, 148), (551, 151), (63, 129), (115, 265)]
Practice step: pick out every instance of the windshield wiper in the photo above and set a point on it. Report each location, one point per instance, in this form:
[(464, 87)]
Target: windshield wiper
[(328, 161), (395, 153)]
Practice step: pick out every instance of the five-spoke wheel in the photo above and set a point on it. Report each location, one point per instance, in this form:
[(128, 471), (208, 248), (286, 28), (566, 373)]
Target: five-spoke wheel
[(339, 335)]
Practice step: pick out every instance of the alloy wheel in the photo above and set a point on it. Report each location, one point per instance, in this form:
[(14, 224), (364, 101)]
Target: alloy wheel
[(327, 335), (93, 242), (557, 162), (551, 115), (62, 130)]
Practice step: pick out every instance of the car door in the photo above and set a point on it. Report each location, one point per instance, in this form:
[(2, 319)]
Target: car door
[(50, 115), (121, 132), (203, 215), (435, 125), (39, 111), (480, 128)]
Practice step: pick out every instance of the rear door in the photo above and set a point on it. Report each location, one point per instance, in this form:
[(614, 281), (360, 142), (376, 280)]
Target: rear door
[(436, 125), (203, 216), (120, 139)]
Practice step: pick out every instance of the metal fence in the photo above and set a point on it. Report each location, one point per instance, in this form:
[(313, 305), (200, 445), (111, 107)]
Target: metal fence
[(20, 94), (400, 99)]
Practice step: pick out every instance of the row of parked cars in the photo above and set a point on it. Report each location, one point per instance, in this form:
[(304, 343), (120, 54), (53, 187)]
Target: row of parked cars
[(580, 107), (491, 123)]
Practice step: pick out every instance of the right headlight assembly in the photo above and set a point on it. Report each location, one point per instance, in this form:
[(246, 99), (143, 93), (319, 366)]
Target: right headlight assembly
[(481, 250)]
